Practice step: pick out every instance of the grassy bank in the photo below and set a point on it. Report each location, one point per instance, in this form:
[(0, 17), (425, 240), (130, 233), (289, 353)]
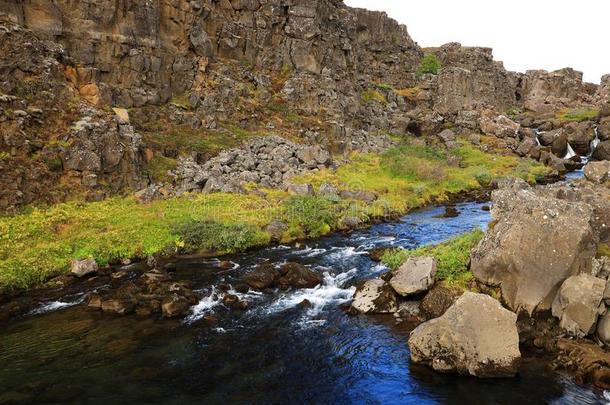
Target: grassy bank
[(41, 243), (451, 257)]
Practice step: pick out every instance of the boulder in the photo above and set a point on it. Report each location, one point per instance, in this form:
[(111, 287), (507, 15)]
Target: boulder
[(579, 303), (438, 300), (375, 296), (536, 243), (476, 336), (276, 229), (366, 196), (328, 190), (119, 306), (262, 277), (602, 152), (174, 306), (498, 125), (296, 275), (85, 267), (414, 276), (300, 189), (603, 329), (598, 172), (351, 222), (579, 136)]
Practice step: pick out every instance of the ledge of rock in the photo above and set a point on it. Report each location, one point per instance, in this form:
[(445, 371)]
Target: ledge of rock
[(476, 336)]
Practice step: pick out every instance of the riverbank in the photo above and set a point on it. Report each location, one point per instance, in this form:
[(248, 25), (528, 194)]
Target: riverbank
[(41, 243)]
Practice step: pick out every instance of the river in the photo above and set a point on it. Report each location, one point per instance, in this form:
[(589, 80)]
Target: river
[(275, 352)]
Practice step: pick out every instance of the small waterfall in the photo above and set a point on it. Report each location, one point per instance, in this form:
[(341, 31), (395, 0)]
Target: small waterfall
[(594, 143), (570, 153), (537, 135)]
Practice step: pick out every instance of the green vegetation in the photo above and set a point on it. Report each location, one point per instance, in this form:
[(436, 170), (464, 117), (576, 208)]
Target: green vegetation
[(603, 250), (182, 102), (41, 243), (159, 166), (577, 115), (384, 86), (4, 156), (373, 95), (429, 65), (451, 256), (513, 112)]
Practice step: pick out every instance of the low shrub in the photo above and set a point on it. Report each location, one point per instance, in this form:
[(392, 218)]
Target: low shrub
[(429, 65), (373, 95), (207, 235)]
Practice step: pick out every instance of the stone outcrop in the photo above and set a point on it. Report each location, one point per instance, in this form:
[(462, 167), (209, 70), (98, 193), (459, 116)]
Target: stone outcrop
[(415, 276), (579, 303), (598, 172), (476, 336), (526, 254), (375, 296)]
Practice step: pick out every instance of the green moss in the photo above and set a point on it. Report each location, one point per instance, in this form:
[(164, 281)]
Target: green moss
[(577, 115), (429, 65), (452, 257), (603, 250), (4, 156), (373, 95)]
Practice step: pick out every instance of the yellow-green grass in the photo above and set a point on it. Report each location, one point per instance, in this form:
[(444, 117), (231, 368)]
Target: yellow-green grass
[(41, 243), (578, 115), (451, 257)]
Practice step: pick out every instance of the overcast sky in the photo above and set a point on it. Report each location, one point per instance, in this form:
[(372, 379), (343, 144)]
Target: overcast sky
[(525, 34)]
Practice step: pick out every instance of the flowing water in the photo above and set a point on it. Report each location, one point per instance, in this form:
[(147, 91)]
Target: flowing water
[(276, 352)]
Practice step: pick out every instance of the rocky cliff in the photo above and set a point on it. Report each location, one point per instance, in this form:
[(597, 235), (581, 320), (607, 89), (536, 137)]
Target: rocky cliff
[(202, 76)]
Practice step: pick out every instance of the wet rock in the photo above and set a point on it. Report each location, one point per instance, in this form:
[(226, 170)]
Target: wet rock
[(276, 229), (475, 336), (262, 277), (529, 226), (603, 329), (579, 136), (305, 304), (230, 300), (242, 288), (375, 297), (589, 362), (82, 268), (118, 306), (598, 172), (438, 300), (414, 276), (225, 265), (602, 152), (450, 212), (377, 253), (579, 303), (174, 306), (296, 275), (94, 301)]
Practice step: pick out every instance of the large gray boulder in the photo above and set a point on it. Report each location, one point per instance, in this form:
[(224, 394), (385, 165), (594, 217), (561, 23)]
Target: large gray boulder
[(579, 303), (415, 276), (537, 241), (375, 297), (598, 172), (603, 329), (476, 336)]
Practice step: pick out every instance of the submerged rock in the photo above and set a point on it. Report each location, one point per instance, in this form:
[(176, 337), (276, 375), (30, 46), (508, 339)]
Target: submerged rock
[(475, 336), (579, 303), (375, 297), (416, 275)]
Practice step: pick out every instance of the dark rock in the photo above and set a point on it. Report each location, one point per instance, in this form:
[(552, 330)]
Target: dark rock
[(296, 275), (174, 306), (438, 300), (262, 277), (119, 306)]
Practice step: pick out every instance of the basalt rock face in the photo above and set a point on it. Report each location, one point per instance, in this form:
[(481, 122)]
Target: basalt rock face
[(470, 78), (547, 92), (147, 52)]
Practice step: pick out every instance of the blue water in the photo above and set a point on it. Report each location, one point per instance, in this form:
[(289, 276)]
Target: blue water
[(276, 352)]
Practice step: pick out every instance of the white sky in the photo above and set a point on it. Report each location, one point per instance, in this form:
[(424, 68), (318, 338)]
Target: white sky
[(524, 34)]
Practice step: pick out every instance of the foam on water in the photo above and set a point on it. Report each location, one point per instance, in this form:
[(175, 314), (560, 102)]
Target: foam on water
[(309, 252), (331, 291), (212, 299), (56, 305)]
